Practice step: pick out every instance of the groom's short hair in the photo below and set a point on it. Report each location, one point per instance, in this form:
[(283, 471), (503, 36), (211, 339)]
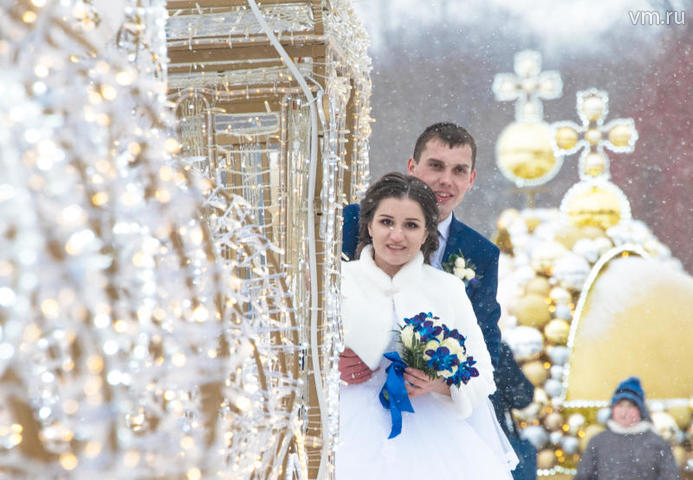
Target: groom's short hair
[(450, 134)]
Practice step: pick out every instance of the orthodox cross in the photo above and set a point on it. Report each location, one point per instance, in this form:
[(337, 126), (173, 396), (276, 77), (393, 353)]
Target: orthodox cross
[(527, 86), (593, 136)]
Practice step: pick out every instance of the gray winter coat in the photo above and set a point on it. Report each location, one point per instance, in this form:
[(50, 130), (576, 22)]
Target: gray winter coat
[(636, 453)]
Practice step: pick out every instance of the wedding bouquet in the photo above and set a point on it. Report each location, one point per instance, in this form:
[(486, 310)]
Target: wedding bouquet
[(430, 346)]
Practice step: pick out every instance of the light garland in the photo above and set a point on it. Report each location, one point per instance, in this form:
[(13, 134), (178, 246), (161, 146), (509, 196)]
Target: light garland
[(129, 348), (266, 156)]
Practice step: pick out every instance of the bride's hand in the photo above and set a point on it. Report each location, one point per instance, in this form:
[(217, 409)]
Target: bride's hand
[(418, 383)]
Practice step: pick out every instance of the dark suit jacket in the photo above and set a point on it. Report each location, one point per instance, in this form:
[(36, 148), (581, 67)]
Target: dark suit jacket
[(477, 250), (513, 390)]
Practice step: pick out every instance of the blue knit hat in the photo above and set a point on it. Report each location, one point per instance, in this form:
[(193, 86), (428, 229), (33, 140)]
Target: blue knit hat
[(630, 389)]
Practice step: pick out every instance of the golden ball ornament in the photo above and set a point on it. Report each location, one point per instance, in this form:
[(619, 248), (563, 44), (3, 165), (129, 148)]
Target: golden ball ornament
[(532, 310), (681, 414), (507, 218), (664, 425), (527, 343), (568, 235), (593, 107), (540, 397), (593, 136), (595, 164), (546, 459), (592, 232), (594, 206), (529, 413), (566, 138), (553, 421), (680, 455), (524, 153), (560, 296), (620, 135), (590, 432), (575, 422), (531, 223), (535, 372), (503, 241), (557, 331), (545, 255), (539, 286)]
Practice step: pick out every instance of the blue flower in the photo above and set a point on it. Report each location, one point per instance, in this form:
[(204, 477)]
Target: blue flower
[(417, 320), (442, 359), (454, 333), (464, 373), (428, 330)]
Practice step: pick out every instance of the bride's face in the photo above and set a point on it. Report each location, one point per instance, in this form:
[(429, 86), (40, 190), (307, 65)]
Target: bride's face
[(398, 230)]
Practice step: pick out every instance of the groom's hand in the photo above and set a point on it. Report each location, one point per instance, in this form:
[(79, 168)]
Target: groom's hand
[(352, 369)]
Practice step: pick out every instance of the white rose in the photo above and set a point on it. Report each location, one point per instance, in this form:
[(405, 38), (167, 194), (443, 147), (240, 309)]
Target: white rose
[(430, 345), (407, 336), (459, 272), (454, 346), (469, 273), (459, 262)]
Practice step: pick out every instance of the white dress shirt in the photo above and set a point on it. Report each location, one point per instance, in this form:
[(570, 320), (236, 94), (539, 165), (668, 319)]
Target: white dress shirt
[(443, 233)]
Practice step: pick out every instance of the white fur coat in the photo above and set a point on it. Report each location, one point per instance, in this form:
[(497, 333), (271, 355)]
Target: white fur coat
[(370, 295)]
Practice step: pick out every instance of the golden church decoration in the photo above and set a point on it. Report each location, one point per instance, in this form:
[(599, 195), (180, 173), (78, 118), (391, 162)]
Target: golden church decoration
[(595, 200), (589, 296), (593, 136), (524, 152)]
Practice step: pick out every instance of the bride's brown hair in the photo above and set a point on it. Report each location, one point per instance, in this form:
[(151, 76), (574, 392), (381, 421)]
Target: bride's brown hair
[(398, 185)]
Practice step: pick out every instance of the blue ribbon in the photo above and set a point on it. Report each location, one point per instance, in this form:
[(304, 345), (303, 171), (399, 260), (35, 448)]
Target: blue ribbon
[(397, 399)]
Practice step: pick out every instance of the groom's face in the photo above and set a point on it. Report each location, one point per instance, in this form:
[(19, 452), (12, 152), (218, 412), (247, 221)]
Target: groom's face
[(448, 171)]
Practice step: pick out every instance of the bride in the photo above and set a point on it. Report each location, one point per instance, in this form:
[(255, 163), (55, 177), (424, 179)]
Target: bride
[(453, 432)]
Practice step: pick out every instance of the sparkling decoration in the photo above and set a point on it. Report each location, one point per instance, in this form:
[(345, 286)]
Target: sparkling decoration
[(162, 311), (124, 352), (524, 151), (272, 103)]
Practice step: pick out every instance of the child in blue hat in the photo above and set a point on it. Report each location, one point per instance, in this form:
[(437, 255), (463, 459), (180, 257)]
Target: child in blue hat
[(629, 449)]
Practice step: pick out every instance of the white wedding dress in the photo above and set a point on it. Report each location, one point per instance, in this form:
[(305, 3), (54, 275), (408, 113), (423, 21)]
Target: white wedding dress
[(455, 437), (434, 442)]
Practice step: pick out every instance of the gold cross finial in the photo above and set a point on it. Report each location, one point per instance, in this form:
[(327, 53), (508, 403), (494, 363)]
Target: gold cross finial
[(593, 136)]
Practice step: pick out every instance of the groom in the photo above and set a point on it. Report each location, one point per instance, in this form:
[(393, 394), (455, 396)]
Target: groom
[(444, 158)]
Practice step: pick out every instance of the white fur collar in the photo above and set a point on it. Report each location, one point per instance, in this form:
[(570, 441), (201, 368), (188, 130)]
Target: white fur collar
[(409, 271), (640, 427)]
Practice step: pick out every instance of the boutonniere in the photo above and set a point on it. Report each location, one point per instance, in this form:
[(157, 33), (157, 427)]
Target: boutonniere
[(461, 268)]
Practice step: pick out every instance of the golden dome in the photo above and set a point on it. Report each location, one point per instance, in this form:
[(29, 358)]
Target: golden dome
[(635, 318), (597, 203), (525, 155)]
